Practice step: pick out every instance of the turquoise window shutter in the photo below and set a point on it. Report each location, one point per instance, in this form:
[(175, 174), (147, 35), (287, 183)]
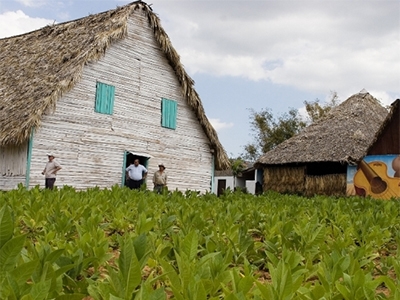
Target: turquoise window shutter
[(169, 109), (104, 98)]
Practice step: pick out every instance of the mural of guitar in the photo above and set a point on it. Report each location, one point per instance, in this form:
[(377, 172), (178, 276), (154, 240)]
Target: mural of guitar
[(373, 180)]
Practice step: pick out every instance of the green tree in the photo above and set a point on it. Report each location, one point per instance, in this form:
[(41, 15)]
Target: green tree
[(237, 166), (269, 131), (316, 111)]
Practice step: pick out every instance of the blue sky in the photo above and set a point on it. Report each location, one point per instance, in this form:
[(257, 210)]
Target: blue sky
[(258, 54)]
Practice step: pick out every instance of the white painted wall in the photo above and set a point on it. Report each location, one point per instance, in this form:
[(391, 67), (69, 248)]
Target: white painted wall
[(229, 182), (250, 185)]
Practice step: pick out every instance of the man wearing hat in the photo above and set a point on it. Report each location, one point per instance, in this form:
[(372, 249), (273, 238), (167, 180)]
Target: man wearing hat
[(50, 171), (160, 179)]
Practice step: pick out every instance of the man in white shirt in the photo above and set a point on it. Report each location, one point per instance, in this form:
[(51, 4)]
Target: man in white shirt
[(136, 174)]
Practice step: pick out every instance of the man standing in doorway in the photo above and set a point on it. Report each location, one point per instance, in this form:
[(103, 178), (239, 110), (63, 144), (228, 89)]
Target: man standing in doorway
[(136, 174), (50, 171), (160, 179)]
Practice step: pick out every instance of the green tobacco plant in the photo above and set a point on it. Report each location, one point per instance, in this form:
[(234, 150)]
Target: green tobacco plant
[(124, 279), (358, 286), (287, 274), (10, 251), (122, 244), (393, 282), (29, 273)]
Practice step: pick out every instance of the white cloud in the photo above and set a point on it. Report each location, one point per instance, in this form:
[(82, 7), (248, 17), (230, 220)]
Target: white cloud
[(303, 113), (16, 22), (383, 97), (218, 125), (227, 65), (312, 46)]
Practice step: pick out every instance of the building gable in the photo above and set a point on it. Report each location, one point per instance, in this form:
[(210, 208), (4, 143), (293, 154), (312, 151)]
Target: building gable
[(61, 52)]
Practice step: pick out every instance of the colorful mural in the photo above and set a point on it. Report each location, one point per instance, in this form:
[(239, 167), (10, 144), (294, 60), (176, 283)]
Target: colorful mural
[(377, 176)]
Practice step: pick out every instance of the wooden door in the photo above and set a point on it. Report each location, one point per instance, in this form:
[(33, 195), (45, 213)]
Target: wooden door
[(221, 186)]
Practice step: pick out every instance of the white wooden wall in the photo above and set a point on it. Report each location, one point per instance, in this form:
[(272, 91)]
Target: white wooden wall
[(90, 146), (12, 166), (250, 185), (229, 183)]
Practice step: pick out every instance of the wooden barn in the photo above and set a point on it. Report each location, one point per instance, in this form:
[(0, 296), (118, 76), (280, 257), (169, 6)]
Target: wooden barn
[(315, 161), (98, 92), (378, 173)]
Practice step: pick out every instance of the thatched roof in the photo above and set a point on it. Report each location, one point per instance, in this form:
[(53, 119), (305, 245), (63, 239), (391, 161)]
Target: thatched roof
[(343, 135), (225, 173), (38, 67)]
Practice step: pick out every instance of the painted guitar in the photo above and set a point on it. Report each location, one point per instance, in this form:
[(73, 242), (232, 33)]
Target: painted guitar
[(372, 179)]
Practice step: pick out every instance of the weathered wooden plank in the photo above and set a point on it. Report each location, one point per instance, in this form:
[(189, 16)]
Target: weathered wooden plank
[(13, 160)]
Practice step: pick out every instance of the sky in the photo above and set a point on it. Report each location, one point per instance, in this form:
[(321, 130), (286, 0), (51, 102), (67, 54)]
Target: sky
[(258, 54)]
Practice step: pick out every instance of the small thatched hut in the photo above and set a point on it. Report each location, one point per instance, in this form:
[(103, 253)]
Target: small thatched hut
[(315, 161), (99, 92)]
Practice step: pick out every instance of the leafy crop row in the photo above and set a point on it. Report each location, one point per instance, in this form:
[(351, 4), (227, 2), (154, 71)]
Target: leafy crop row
[(122, 244)]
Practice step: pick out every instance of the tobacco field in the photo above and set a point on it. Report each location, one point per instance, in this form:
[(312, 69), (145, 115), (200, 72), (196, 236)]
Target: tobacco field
[(120, 244)]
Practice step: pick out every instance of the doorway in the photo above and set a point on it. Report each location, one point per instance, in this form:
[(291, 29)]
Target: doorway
[(129, 158), (221, 186)]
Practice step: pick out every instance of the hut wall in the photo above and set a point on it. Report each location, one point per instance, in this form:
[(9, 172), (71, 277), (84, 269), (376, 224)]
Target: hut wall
[(331, 184), (388, 141), (284, 179), (294, 180), (13, 161), (90, 146)]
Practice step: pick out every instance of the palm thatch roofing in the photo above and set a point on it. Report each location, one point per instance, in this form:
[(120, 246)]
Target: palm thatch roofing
[(40, 66), (224, 173), (343, 135)]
